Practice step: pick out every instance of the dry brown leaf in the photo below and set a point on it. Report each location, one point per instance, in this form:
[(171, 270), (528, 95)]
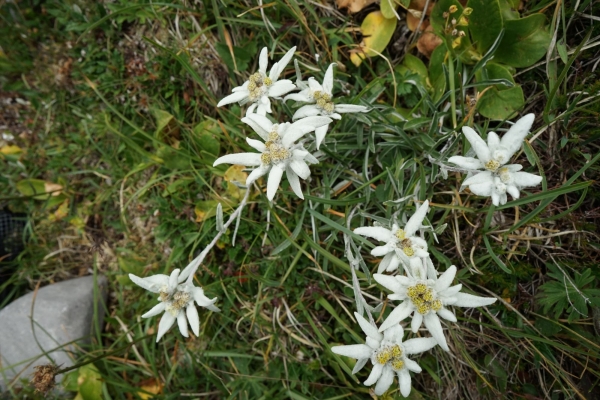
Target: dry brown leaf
[(55, 188), (428, 42), (354, 6)]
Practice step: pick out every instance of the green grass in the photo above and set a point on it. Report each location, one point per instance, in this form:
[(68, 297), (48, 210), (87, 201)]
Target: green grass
[(130, 129)]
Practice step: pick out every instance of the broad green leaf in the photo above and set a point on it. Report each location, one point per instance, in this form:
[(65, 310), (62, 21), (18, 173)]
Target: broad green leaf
[(236, 177), (204, 135), (205, 209), (243, 56), (162, 119), (436, 72), (485, 23), (414, 64), (90, 383), (39, 189), (499, 102), (377, 31), (387, 8), (525, 41)]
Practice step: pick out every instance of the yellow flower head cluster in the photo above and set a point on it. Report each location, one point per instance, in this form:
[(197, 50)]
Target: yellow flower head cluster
[(275, 151), (392, 355), (256, 85), (423, 298), (405, 243), (324, 101), (176, 301)]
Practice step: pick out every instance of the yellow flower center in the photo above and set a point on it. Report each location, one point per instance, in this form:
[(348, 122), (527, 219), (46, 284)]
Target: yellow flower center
[(504, 175), (400, 234), (275, 152), (176, 301), (257, 85), (492, 165), (391, 355), (324, 101), (423, 298)]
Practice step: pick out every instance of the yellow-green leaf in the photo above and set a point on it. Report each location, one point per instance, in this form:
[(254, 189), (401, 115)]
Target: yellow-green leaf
[(388, 8), (377, 31)]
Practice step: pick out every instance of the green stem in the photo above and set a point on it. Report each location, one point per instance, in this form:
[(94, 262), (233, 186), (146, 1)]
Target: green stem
[(452, 88)]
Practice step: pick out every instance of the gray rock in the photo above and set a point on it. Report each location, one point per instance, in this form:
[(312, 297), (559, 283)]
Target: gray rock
[(63, 313)]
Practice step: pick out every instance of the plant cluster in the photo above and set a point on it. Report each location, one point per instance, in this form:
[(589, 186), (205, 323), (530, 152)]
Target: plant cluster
[(425, 294)]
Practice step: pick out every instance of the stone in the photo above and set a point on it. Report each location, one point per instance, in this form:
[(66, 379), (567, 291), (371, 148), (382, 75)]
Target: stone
[(63, 313)]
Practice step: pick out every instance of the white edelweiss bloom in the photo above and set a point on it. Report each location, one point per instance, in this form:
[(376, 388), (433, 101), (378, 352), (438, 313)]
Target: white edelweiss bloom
[(322, 102), (259, 87), (279, 153), (401, 245), (427, 295), (174, 297), (497, 179), (388, 354)]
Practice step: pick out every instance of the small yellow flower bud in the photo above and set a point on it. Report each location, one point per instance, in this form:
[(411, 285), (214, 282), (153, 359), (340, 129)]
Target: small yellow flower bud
[(453, 9), (467, 11)]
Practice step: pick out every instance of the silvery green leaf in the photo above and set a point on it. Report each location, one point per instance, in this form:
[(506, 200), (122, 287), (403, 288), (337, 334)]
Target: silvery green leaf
[(219, 217)]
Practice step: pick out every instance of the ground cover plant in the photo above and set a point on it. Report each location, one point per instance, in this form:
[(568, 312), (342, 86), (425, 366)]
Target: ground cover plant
[(130, 138)]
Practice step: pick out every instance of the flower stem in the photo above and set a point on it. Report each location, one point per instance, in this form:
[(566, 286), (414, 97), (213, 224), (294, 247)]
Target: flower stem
[(193, 266), (452, 88)]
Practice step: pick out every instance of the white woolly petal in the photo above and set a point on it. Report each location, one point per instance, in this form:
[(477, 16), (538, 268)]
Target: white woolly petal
[(394, 263), (257, 144), (495, 198), (381, 251), (166, 322), (388, 282), (372, 343), (294, 182), (300, 168), (152, 283), (374, 375), (394, 334), (405, 381), (320, 133), (314, 85), (302, 127), (451, 291), (257, 173), (385, 381), (479, 146), (469, 300), (482, 189), (481, 177), (416, 322), (182, 323), (192, 316), (246, 159), (174, 279), (273, 181), (309, 110), (280, 88), (261, 125), (466, 162), (278, 69), (233, 98), (419, 345), (354, 351), (525, 179), (445, 280), (204, 301), (349, 108), (157, 309), (493, 141), (513, 139), (375, 232), (513, 191), (433, 325), (263, 61), (415, 222), (367, 328), (302, 96), (359, 365), (385, 262), (328, 79), (400, 313), (447, 315), (412, 365)]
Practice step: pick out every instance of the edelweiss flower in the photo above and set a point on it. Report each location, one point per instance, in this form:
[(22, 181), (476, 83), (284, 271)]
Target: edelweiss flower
[(498, 178), (427, 295), (174, 296), (278, 153), (388, 355), (401, 244), (259, 87), (322, 98)]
